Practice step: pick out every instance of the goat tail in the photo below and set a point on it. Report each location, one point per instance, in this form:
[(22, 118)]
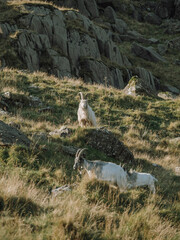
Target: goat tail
[(81, 95)]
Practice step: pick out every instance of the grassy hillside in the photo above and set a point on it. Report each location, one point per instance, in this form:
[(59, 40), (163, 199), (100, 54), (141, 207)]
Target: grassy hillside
[(92, 210)]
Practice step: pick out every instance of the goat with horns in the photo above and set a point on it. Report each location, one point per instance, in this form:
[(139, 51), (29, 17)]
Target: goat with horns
[(105, 171)]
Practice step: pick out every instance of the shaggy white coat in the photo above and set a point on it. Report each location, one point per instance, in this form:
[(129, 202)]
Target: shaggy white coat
[(86, 115), (143, 179)]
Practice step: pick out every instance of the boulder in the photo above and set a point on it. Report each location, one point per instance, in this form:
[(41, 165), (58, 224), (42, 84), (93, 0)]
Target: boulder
[(105, 141), (62, 132), (147, 77), (138, 86), (172, 89), (110, 14), (92, 8), (147, 53), (167, 95), (10, 135), (152, 18), (165, 8), (120, 26)]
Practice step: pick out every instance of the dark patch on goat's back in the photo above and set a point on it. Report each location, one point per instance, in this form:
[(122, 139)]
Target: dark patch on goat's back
[(98, 166), (100, 162), (131, 177)]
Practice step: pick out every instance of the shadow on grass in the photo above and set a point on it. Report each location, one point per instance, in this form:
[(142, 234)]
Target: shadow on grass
[(21, 206), (114, 198)]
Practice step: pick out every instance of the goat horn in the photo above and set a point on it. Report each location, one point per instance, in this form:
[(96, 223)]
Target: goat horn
[(82, 150), (78, 152), (81, 94)]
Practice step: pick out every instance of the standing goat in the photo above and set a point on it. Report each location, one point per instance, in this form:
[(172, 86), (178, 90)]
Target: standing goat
[(105, 171), (86, 116), (136, 179)]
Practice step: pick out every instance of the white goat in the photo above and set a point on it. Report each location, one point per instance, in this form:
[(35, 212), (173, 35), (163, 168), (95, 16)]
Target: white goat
[(105, 171), (136, 179), (86, 116)]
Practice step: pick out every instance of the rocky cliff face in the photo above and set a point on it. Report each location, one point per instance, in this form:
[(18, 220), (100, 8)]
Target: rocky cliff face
[(85, 42)]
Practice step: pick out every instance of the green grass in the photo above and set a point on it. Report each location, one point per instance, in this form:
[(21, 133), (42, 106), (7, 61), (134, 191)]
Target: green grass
[(92, 210)]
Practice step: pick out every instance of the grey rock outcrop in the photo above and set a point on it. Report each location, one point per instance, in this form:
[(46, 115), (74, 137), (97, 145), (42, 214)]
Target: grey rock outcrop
[(147, 53), (177, 9), (56, 41), (80, 43), (147, 77), (6, 29), (138, 86), (97, 72), (10, 135)]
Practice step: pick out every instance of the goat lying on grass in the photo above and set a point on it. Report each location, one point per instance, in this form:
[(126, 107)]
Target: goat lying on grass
[(86, 116), (105, 171), (136, 179)]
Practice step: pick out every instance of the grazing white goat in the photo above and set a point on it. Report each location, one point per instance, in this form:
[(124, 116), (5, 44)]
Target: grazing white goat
[(105, 171), (136, 179), (86, 116)]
